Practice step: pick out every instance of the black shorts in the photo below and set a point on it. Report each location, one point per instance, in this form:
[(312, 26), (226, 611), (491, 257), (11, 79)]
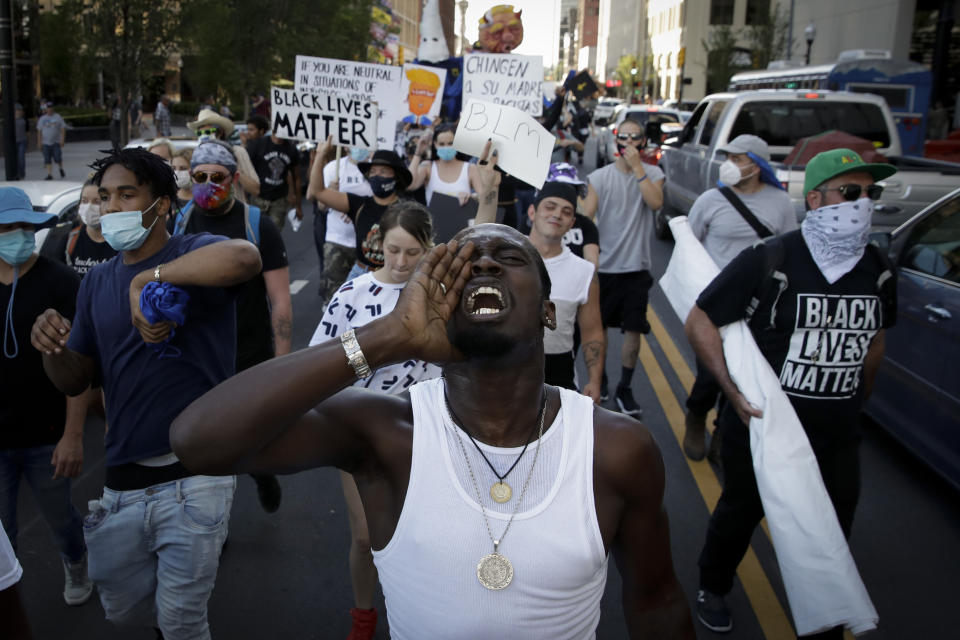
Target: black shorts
[(623, 300)]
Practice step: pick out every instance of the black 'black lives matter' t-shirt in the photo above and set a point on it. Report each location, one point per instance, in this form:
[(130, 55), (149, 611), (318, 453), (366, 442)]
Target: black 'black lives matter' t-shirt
[(821, 331)]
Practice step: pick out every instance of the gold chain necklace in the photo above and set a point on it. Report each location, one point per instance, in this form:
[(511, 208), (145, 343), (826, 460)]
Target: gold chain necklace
[(495, 571)]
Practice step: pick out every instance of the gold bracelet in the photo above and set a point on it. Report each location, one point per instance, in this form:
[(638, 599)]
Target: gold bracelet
[(355, 356), (156, 272)]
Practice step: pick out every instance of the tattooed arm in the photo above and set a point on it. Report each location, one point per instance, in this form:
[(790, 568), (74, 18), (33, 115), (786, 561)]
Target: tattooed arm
[(281, 308), (487, 185), (591, 328)]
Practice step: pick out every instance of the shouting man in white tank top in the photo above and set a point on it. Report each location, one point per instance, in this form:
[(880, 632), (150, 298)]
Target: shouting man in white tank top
[(493, 500)]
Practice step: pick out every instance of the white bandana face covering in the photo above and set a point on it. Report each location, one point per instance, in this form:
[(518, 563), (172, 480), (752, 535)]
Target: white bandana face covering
[(837, 235)]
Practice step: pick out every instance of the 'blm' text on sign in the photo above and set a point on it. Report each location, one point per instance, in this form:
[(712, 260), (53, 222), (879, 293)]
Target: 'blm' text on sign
[(523, 146), (306, 116), (504, 78), (364, 81)]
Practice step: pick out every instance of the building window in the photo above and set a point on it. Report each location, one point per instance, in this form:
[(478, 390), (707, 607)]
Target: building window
[(758, 11), (721, 11)]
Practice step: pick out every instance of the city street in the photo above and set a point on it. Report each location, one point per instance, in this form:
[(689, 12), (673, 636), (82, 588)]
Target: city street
[(285, 575)]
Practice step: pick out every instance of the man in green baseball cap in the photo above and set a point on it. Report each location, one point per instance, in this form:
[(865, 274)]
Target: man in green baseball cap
[(817, 301)]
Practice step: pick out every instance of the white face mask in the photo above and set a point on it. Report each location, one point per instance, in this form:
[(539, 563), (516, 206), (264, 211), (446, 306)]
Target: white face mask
[(89, 213), (730, 173), (183, 179), (837, 236)]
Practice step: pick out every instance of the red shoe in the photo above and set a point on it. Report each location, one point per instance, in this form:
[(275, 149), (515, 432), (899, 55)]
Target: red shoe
[(364, 624)]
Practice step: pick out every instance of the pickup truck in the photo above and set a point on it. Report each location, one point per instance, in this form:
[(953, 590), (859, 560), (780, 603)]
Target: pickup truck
[(691, 160)]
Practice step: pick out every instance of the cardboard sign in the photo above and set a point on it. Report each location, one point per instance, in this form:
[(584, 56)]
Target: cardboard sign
[(504, 78), (308, 116), (365, 81), (421, 89), (449, 218), (582, 85), (524, 147)]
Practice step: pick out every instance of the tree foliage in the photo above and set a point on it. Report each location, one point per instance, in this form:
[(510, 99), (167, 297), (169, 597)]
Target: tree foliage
[(770, 39), (130, 41), (724, 58), (237, 47)]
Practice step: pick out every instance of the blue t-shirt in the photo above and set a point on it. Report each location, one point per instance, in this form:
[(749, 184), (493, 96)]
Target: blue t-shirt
[(143, 391)]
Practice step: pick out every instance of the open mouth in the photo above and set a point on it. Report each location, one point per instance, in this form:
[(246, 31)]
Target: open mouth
[(483, 301)]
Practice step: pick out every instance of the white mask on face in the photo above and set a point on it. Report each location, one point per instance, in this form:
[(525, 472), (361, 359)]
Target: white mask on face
[(183, 179), (837, 236), (731, 174), (89, 213)]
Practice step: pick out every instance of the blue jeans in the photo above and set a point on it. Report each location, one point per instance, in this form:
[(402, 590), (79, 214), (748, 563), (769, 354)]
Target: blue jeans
[(154, 552), (357, 270), (52, 496)]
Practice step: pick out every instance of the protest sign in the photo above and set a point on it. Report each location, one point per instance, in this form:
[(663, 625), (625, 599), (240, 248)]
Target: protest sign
[(503, 78), (523, 145), (364, 81), (422, 91), (449, 218), (308, 116)]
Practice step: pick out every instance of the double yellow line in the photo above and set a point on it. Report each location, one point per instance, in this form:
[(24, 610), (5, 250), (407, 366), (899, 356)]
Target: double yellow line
[(766, 606)]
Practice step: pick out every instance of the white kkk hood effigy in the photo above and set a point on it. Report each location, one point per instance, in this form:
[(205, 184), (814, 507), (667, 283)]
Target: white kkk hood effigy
[(820, 577)]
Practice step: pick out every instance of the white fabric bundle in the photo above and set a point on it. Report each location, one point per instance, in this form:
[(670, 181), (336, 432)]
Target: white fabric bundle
[(821, 580)]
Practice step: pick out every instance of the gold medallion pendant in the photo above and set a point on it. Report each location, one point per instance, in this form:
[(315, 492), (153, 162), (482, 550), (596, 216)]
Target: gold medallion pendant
[(501, 492), (494, 571)]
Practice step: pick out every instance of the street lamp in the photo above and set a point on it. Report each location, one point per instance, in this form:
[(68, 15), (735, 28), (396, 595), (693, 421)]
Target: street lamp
[(811, 34), (633, 83)]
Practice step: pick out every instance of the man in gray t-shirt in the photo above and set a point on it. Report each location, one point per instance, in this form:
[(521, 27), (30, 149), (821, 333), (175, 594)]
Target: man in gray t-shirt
[(51, 136), (724, 233), (628, 193)]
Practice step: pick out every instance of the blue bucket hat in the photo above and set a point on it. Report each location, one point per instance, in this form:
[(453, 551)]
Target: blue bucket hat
[(15, 206)]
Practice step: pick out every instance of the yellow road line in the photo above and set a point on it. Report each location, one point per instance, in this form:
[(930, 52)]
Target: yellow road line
[(771, 616)]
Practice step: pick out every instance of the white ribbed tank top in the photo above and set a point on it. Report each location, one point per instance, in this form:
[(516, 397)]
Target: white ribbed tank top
[(428, 569)]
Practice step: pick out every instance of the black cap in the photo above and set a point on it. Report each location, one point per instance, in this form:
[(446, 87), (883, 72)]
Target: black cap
[(387, 158)]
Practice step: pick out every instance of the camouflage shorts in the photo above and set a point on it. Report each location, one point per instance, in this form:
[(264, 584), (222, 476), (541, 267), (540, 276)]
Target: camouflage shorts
[(337, 261), (276, 209)]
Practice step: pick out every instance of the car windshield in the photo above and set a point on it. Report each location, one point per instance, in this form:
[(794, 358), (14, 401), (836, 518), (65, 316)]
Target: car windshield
[(643, 117), (782, 124)]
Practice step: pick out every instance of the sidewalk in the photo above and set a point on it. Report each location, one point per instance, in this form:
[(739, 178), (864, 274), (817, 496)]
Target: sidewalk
[(77, 157)]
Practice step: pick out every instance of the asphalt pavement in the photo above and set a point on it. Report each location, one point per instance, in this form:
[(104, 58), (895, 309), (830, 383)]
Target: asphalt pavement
[(285, 575)]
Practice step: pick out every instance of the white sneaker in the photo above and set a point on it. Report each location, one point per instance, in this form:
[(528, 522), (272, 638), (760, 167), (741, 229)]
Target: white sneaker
[(77, 585)]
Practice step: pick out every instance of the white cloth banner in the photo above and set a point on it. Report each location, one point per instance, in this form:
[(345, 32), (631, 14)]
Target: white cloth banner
[(822, 583)]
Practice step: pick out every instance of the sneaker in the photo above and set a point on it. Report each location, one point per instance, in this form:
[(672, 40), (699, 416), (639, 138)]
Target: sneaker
[(49, 177), (364, 624), (62, 173), (268, 491), (712, 612), (695, 436), (604, 391), (627, 404), (77, 585)]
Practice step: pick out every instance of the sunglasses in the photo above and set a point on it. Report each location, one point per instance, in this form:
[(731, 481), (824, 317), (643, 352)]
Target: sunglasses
[(202, 176), (852, 192), (212, 131), (623, 137)]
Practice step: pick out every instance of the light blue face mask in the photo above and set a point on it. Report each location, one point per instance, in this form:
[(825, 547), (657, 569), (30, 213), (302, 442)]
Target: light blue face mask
[(124, 230), (16, 246), (446, 153), (359, 154)]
